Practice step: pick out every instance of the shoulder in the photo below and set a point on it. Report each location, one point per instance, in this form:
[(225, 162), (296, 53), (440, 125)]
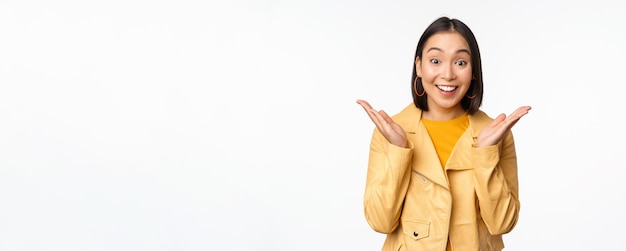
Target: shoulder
[(480, 118), (478, 121), (408, 115)]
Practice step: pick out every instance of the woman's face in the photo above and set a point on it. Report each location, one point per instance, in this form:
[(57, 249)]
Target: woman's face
[(446, 72)]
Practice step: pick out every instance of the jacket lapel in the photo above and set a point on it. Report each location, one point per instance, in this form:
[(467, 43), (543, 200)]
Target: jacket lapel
[(425, 160), (461, 156)]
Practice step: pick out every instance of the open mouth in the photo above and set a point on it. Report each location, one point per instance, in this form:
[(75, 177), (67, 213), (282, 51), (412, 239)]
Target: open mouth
[(446, 88)]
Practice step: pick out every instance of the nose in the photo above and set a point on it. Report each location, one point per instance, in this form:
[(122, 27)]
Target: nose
[(447, 72)]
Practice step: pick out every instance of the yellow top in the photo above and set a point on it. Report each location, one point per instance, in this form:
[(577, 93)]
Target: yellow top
[(445, 134)]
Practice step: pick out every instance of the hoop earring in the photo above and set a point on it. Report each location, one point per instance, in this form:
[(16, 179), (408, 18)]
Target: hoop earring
[(415, 88), (472, 96)]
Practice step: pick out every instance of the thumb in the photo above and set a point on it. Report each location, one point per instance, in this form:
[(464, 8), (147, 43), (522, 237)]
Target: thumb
[(498, 119)]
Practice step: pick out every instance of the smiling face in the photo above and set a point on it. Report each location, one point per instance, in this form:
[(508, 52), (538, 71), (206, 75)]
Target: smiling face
[(446, 72)]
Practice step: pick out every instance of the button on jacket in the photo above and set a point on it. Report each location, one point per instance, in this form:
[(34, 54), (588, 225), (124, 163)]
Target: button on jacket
[(418, 203)]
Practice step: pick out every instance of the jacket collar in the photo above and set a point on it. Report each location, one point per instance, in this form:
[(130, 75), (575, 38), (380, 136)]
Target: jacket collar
[(426, 161), (414, 115)]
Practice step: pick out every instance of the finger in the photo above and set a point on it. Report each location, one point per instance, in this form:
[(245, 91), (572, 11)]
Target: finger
[(521, 111), (374, 115), (380, 118), (364, 104), (368, 109), (497, 120), (518, 114), (376, 118), (387, 122), (512, 119), (386, 117)]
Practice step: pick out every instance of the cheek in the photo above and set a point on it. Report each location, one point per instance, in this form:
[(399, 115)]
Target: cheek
[(466, 76), (428, 74), (467, 79)]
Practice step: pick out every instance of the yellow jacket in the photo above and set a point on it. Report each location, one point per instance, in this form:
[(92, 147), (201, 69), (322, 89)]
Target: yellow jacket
[(409, 197)]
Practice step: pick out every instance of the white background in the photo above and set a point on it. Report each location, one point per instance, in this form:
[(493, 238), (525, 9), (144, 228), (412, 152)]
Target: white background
[(195, 125)]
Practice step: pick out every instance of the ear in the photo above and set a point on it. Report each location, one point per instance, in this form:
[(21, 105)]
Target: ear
[(418, 66)]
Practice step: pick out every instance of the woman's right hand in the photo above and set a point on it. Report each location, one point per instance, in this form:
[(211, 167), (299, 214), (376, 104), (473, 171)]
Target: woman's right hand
[(386, 126)]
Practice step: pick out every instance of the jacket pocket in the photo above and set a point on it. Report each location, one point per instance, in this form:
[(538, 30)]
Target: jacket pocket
[(416, 229)]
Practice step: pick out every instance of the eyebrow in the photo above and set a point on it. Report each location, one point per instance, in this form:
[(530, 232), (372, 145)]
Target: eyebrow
[(438, 49)]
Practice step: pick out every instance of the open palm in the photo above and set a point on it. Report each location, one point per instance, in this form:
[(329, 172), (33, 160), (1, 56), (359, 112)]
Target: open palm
[(386, 126), (496, 130)]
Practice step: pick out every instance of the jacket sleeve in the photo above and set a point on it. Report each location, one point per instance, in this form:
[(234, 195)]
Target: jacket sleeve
[(388, 177), (495, 179)]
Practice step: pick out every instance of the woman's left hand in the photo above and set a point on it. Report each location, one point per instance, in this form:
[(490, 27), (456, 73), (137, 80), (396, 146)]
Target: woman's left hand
[(495, 131)]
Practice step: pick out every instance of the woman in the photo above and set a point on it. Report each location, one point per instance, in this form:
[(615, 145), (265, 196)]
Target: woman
[(442, 175)]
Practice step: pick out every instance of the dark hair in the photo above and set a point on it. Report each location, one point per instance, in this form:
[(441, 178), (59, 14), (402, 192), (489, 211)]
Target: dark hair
[(476, 87)]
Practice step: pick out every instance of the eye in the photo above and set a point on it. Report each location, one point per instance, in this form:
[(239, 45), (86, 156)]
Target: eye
[(461, 63), (434, 61)]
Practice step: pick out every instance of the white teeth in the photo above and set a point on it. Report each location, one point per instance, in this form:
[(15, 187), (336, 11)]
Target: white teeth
[(446, 88)]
